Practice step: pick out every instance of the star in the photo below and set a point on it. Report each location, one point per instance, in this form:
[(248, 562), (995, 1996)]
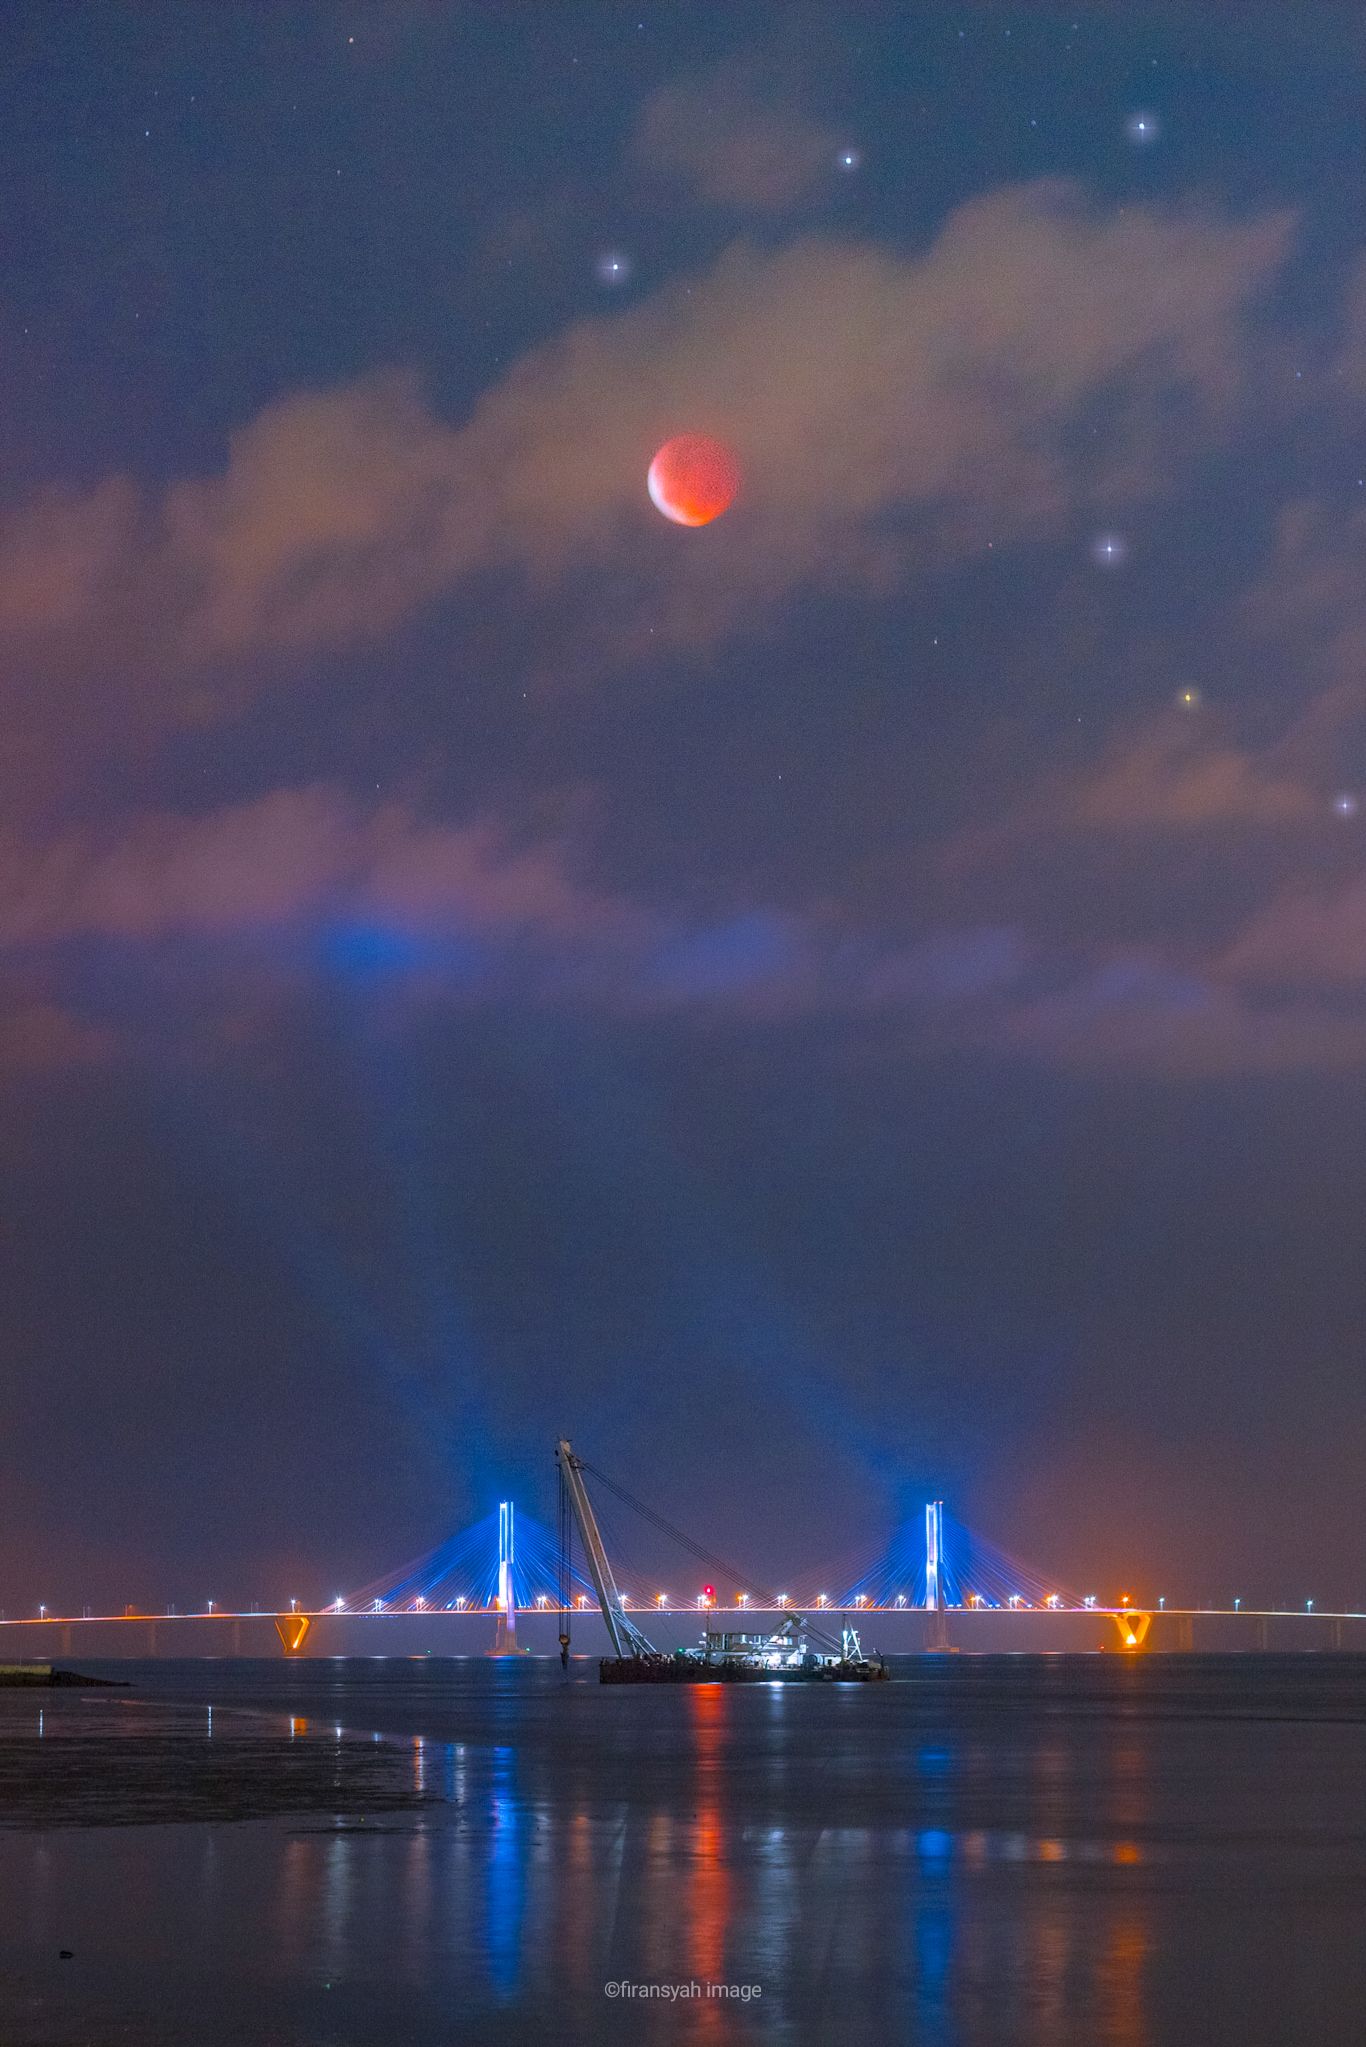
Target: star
[(849, 159), (1109, 549), (612, 267), (1346, 804), (1143, 128), (1188, 698)]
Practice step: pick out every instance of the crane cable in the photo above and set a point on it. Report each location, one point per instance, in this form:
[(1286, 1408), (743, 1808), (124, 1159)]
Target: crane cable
[(716, 1564)]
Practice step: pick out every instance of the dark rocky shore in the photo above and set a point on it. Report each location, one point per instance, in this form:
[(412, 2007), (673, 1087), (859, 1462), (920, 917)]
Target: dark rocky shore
[(21, 1675)]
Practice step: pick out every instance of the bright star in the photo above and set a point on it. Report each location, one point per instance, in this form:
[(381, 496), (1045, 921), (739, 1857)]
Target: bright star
[(849, 159), (1109, 549), (613, 267), (1188, 699), (1143, 128), (1346, 805)]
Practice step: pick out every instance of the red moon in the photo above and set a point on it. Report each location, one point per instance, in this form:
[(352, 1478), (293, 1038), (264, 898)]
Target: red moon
[(692, 479)]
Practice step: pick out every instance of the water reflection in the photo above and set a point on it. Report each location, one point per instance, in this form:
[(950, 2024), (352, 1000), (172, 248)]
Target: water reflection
[(506, 1863), (927, 1865), (706, 1891)]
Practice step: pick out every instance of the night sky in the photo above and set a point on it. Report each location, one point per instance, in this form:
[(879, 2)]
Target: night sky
[(861, 1000)]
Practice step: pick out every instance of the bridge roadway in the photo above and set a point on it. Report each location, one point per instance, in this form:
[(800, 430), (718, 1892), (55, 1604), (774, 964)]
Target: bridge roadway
[(894, 1631)]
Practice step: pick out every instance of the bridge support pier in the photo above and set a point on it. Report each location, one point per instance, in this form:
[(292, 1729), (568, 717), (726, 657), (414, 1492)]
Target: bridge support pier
[(1263, 1633), (1335, 1633), (151, 1638), (1133, 1627), (237, 1638), (66, 1641), (1185, 1631), (292, 1628)]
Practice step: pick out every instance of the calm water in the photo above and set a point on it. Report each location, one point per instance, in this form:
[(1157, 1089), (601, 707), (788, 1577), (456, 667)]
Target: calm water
[(1050, 1850)]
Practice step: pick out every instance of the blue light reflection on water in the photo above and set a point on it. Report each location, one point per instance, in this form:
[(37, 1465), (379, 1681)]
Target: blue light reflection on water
[(988, 1856), (507, 1876)]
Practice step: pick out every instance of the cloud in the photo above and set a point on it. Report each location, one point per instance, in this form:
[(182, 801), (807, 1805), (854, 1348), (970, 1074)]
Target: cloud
[(1141, 1014), (735, 136), (1170, 776), (1162, 781), (292, 857), (314, 860), (249, 902), (1307, 937), (231, 911), (890, 409), (1309, 611), (42, 1037)]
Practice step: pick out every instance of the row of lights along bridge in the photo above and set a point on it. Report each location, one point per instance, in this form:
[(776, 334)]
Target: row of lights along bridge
[(705, 1600)]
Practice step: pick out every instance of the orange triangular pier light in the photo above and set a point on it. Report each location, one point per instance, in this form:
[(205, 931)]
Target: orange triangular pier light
[(1133, 1627), (292, 1628)]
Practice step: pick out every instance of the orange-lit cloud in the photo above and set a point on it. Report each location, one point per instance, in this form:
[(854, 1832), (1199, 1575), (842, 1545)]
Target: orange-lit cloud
[(890, 411), (251, 897), (290, 856), (1311, 937)]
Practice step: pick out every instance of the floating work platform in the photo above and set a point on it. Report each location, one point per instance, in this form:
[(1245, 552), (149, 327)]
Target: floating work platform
[(691, 1669), (791, 1652)]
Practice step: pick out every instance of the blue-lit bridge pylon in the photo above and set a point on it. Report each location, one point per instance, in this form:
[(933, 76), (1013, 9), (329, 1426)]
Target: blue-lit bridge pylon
[(505, 1629)]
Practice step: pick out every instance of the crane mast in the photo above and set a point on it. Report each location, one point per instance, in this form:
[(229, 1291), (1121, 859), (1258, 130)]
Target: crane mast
[(626, 1638)]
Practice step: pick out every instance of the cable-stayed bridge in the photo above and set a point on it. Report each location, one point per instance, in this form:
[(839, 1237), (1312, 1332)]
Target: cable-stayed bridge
[(505, 1587)]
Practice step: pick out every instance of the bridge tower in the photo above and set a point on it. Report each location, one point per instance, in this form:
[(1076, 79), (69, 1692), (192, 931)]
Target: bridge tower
[(505, 1632), (934, 1555), (934, 1569)]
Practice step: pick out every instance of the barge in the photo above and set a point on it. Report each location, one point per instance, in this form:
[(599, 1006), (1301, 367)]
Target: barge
[(792, 1653), (687, 1667)]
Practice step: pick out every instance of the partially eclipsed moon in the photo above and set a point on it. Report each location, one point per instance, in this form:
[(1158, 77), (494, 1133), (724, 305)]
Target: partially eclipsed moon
[(692, 479)]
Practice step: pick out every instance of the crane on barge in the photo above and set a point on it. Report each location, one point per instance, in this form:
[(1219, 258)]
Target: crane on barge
[(724, 1656)]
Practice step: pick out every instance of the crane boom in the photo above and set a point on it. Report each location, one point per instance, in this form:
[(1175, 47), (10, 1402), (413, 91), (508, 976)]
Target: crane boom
[(626, 1638)]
